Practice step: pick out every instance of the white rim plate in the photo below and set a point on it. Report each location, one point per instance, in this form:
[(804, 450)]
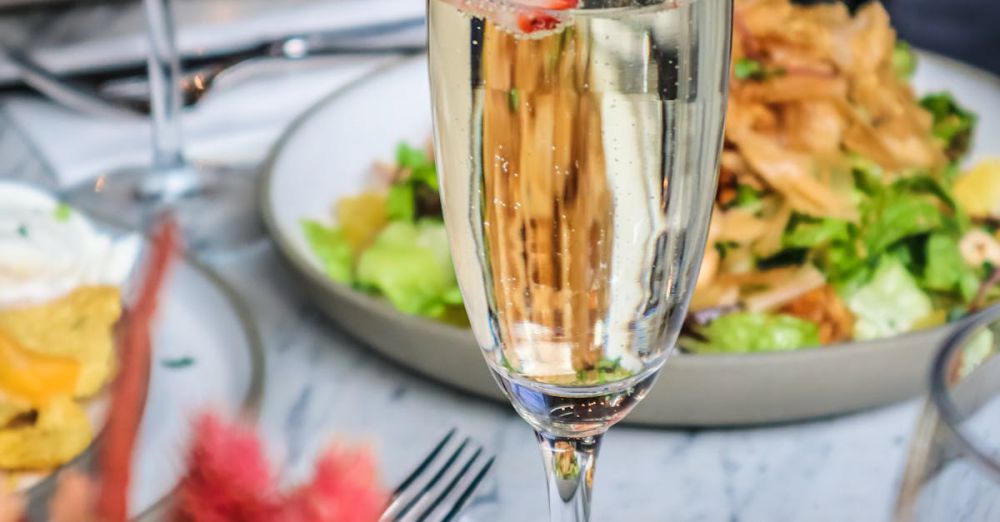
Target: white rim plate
[(206, 356), (327, 153)]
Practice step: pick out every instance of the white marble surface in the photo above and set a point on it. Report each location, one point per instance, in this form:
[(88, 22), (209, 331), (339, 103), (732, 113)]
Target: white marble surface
[(322, 384)]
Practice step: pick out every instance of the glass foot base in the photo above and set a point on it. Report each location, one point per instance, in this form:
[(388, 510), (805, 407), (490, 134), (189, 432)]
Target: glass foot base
[(217, 213)]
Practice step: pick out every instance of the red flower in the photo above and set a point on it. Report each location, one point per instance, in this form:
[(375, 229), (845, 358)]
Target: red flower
[(344, 489), (227, 479)]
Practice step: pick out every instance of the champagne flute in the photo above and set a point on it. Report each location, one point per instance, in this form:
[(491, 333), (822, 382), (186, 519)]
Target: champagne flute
[(213, 205), (577, 148), (953, 470)]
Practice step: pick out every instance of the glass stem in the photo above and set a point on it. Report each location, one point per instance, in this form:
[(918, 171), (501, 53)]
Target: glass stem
[(170, 176), (569, 465)]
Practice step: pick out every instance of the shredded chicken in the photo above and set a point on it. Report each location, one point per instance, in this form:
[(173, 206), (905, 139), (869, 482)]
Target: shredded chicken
[(740, 225), (801, 282), (824, 307), (790, 173)]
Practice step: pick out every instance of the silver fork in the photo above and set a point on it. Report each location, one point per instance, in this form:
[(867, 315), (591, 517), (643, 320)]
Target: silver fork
[(442, 484)]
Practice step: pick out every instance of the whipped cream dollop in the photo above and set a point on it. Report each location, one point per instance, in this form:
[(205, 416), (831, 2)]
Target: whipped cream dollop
[(48, 249)]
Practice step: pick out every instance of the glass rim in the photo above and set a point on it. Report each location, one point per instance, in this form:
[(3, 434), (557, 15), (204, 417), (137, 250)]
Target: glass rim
[(940, 397)]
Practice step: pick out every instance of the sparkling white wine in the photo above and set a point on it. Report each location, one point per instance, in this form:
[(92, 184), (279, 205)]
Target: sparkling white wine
[(578, 152)]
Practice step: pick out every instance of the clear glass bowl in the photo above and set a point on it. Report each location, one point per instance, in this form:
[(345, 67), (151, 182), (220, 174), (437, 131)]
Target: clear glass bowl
[(953, 469)]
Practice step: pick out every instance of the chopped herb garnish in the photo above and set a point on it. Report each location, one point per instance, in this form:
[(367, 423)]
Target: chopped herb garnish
[(747, 68), (750, 69), (63, 212), (180, 362), (904, 61), (22, 230), (605, 371), (746, 195), (514, 99)]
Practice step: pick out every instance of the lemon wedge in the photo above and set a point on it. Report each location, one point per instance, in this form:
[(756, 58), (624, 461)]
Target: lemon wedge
[(361, 218), (36, 378), (978, 190)]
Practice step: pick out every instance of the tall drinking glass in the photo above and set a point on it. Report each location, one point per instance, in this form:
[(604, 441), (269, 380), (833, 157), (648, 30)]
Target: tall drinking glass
[(953, 471), (213, 205), (577, 147)]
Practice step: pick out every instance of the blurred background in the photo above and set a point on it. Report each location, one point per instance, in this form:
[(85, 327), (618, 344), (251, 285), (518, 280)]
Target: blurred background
[(962, 29)]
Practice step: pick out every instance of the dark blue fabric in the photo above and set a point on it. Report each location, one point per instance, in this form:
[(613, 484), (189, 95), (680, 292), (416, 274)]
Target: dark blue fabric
[(968, 30)]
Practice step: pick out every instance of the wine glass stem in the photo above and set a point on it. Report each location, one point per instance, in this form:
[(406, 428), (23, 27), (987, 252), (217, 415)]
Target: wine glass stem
[(569, 466), (170, 175)]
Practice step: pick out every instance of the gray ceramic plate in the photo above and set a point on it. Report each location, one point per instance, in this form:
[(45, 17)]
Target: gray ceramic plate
[(327, 154)]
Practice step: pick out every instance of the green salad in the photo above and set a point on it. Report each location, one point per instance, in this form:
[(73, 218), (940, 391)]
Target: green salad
[(836, 219), (392, 242)]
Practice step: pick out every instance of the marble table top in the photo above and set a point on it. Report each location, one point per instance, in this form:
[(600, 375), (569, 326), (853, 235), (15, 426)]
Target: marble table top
[(321, 384)]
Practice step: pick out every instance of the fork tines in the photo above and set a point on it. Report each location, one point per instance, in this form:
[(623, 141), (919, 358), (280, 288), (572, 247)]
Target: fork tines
[(442, 484)]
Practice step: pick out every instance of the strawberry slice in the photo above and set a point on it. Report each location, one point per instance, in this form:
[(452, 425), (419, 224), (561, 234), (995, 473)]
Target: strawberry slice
[(530, 22), (541, 18)]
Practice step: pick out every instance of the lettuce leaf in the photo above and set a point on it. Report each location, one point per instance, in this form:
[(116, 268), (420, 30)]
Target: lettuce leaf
[(399, 204), (416, 196), (904, 60), (845, 265), (811, 232), (953, 125), (896, 214), (891, 303), (747, 332), (867, 174), (746, 196), (410, 264), (946, 271), (332, 249), (420, 166)]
